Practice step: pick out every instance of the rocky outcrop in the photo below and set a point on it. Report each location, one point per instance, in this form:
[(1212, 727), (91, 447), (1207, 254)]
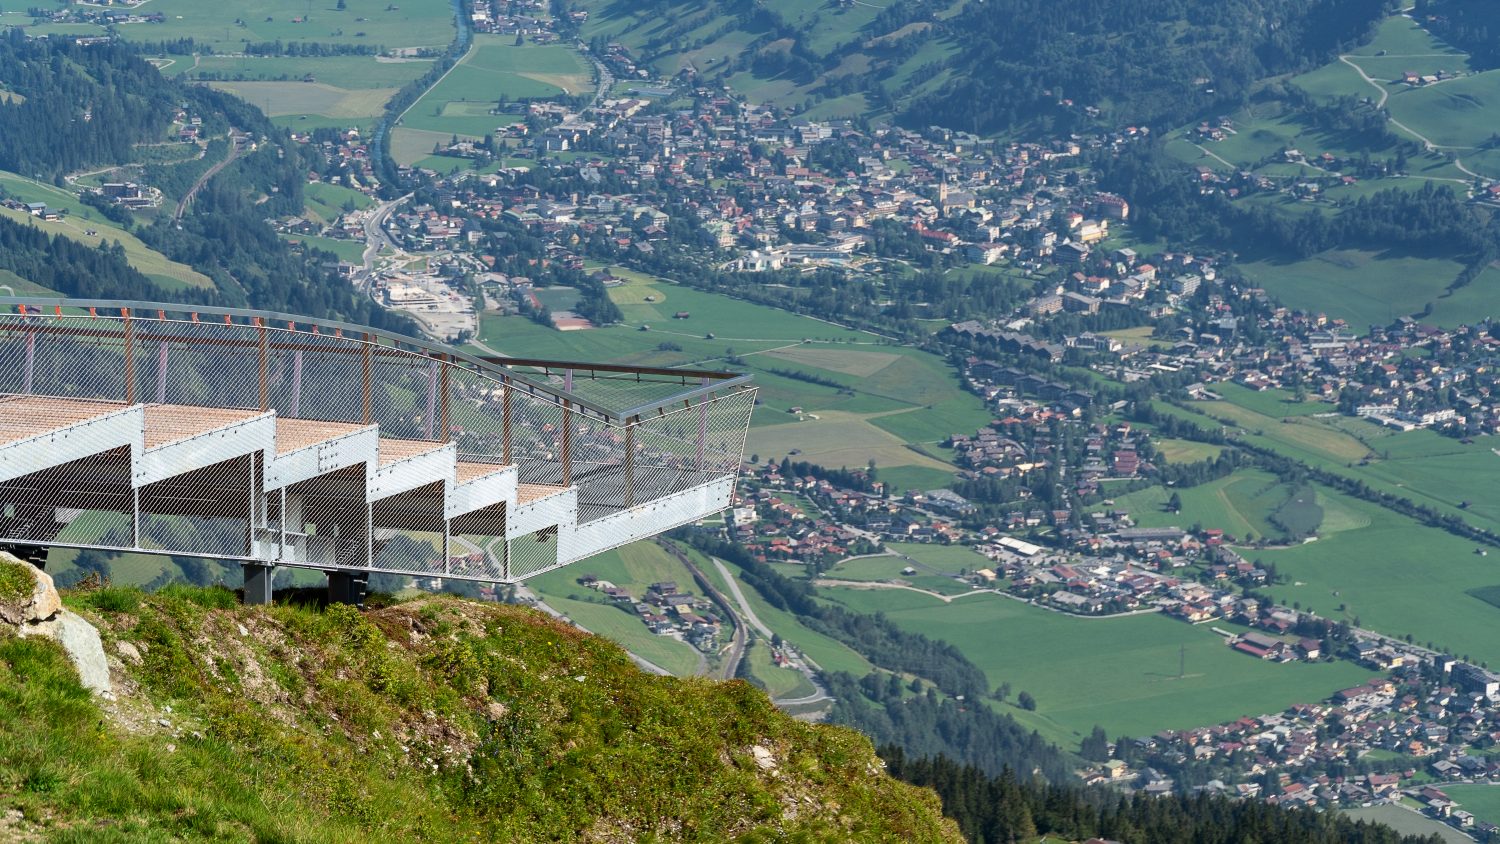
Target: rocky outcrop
[(40, 613)]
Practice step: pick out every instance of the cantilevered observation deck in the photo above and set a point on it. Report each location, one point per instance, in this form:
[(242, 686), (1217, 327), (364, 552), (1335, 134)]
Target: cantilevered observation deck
[(275, 440)]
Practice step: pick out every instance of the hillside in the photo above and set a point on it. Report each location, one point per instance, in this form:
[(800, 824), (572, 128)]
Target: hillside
[(984, 67), (434, 720)]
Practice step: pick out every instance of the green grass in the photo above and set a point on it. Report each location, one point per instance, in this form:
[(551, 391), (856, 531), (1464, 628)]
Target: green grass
[(328, 200), (1397, 577), (461, 103), (1121, 674), (1482, 800), (1186, 451), (282, 99), (896, 397), (633, 567), (347, 250), (1460, 113), (337, 725), (412, 23), (777, 681), (1361, 287), (1239, 504), (348, 72), (1468, 304), (82, 219), (1408, 822)]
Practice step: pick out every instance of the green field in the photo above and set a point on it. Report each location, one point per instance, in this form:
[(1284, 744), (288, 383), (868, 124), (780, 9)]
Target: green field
[(633, 567), (895, 398), (227, 27), (1122, 674), (1469, 304), (348, 72), (1409, 822), (465, 100), (347, 250), (1397, 577), (1186, 451), (283, 99), (1361, 287), (82, 219), (1240, 504), (327, 201), (1422, 466), (1480, 799)]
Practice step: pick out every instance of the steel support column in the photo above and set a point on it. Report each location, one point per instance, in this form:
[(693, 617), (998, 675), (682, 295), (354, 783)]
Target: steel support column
[(258, 578)]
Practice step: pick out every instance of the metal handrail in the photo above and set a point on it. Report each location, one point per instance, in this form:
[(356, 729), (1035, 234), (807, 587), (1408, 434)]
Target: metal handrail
[(709, 381)]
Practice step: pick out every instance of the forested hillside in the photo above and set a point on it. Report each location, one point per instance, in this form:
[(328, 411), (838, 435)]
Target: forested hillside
[(86, 106), (1155, 62), (990, 66), (1007, 808)]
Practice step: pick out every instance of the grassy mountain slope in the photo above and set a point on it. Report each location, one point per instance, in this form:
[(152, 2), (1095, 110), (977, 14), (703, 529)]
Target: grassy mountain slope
[(437, 720)]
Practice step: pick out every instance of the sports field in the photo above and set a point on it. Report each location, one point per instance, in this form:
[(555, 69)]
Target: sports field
[(466, 100), (1133, 676)]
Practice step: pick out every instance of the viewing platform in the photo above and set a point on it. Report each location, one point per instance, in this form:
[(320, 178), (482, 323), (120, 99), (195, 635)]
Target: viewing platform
[(274, 440)]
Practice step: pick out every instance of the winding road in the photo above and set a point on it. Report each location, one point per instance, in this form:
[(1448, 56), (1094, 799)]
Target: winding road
[(1386, 95), (808, 667)]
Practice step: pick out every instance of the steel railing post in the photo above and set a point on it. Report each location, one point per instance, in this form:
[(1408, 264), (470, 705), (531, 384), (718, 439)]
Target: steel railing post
[(265, 375), (445, 392), (129, 356), (567, 444), (505, 420), (368, 353)]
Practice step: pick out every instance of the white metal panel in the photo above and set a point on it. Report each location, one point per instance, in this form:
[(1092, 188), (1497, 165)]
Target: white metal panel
[(330, 455), (203, 450), (480, 493), (116, 429), (575, 542), (558, 509), (429, 467)]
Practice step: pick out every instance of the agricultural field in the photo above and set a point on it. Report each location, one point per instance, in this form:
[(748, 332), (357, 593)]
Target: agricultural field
[(1133, 676), (891, 404), (887, 569), (327, 201), (1469, 304), (1186, 451), (1481, 799), (1361, 287), (228, 27), (1422, 466), (293, 103), (466, 100), (351, 73), (88, 226), (1241, 504), (1395, 576)]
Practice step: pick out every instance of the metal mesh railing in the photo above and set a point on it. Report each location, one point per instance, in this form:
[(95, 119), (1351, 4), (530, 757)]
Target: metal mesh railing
[(212, 385)]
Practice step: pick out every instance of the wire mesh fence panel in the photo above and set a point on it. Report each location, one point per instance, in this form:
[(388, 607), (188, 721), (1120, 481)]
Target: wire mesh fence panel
[(211, 464), (533, 553)]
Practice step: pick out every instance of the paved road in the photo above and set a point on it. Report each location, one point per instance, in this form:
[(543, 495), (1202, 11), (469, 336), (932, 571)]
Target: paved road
[(808, 667), (375, 236), (1426, 142)]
